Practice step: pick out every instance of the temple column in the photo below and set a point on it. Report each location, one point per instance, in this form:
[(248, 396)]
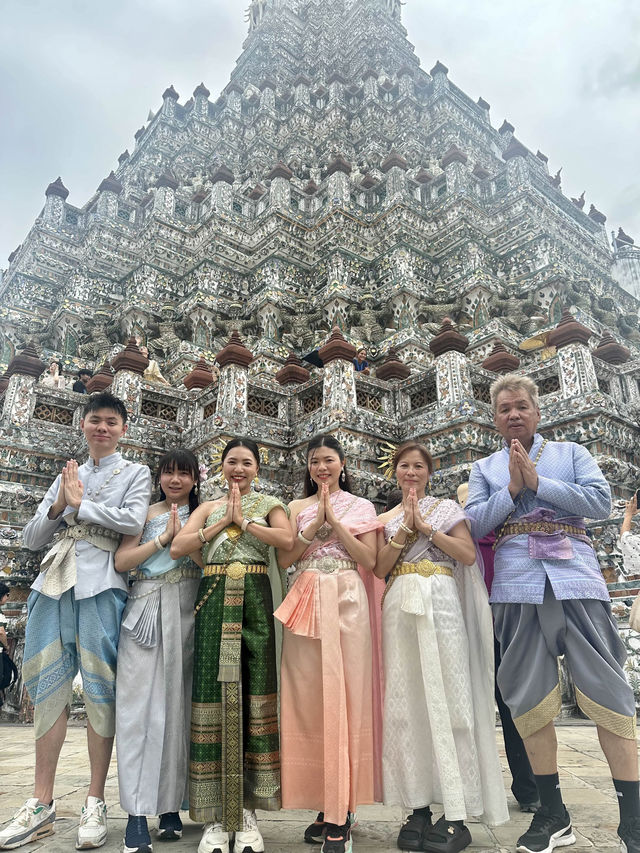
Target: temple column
[(234, 359), (339, 384), (19, 398), (453, 377), (575, 363)]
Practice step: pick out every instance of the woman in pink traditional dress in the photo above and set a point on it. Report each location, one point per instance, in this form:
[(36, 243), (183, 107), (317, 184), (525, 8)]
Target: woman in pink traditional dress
[(439, 719), (327, 693)]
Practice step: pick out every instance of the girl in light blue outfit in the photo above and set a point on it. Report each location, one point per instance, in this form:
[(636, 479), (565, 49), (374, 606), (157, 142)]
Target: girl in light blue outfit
[(155, 659)]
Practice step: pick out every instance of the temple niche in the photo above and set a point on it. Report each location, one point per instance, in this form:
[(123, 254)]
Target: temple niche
[(334, 195)]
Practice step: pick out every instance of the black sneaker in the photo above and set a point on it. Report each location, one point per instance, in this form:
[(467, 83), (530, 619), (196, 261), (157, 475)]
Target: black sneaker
[(337, 839), (547, 831), (314, 833), (629, 834), (412, 834), (136, 836), (446, 837), (169, 827)]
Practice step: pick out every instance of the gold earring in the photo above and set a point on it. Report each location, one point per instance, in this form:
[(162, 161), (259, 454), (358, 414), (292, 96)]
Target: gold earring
[(256, 480)]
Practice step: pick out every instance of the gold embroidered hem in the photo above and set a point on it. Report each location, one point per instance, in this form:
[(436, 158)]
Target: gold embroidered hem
[(537, 718), (618, 724)]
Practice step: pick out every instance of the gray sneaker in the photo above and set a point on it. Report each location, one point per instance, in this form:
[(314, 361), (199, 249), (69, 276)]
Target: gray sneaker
[(30, 823)]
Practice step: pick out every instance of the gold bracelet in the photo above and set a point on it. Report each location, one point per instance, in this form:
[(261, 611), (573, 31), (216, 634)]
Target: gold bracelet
[(395, 544), (406, 529), (202, 537), (302, 539)]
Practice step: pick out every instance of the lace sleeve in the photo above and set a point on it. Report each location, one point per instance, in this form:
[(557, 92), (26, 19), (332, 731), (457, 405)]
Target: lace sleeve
[(630, 547)]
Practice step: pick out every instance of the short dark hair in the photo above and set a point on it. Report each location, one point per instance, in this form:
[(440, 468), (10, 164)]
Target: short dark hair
[(326, 440), (183, 460), (84, 372), (413, 445), (4, 589), (249, 443), (105, 400)]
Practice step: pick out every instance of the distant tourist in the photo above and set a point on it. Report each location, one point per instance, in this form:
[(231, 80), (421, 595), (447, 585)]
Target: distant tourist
[(360, 363), (235, 758), (437, 640), (53, 377), (156, 649), (549, 599), (80, 385), (152, 370), (630, 547), (75, 609), (326, 702)]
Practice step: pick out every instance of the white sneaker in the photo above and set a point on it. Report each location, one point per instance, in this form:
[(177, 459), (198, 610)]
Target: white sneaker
[(250, 838), (214, 839), (31, 822), (92, 831)]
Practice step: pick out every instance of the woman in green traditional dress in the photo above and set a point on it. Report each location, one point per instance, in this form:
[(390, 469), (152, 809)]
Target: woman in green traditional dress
[(235, 760)]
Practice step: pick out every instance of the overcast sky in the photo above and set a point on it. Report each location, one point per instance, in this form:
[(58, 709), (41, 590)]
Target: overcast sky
[(78, 77)]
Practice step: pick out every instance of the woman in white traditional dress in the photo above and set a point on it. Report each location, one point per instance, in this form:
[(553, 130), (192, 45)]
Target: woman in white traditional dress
[(155, 659), (52, 377), (437, 644)]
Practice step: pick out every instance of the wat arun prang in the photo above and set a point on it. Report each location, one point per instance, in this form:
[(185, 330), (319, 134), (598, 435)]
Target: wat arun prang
[(334, 195)]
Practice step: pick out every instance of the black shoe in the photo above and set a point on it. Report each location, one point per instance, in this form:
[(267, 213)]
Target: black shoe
[(412, 834), (445, 836), (314, 833), (169, 827), (530, 807), (136, 836), (547, 831), (337, 839), (629, 834)]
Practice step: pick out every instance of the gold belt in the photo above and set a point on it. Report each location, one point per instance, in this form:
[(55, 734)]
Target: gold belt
[(516, 528), (425, 568), (235, 570)]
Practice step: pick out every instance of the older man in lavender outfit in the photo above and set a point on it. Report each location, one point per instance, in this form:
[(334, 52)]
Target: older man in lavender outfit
[(549, 598)]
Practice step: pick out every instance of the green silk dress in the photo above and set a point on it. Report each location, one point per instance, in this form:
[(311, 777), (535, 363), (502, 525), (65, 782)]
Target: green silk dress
[(235, 751)]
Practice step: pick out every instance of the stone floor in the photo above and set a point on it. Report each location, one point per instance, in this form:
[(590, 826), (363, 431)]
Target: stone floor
[(583, 774)]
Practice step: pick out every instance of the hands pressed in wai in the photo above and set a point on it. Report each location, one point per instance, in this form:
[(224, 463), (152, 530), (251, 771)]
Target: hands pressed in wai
[(71, 489), (522, 471), (413, 515), (173, 526), (325, 515), (234, 514)]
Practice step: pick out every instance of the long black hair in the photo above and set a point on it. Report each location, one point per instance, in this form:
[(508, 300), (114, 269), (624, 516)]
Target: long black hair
[(327, 440), (183, 460)]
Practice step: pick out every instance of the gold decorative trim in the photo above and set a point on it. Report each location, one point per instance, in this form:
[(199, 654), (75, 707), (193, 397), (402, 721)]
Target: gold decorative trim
[(612, 721), (537, 718)]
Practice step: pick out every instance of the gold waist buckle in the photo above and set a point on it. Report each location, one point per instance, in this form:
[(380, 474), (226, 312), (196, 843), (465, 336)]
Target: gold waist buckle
[(424, 568)]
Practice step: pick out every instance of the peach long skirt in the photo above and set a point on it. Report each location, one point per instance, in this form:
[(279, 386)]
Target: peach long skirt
[(326, 693)]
